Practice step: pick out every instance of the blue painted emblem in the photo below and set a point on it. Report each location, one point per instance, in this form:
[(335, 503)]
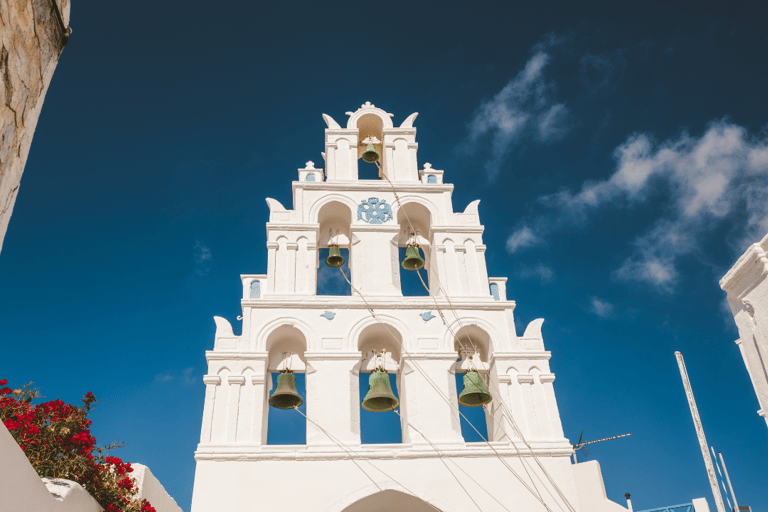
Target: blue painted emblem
[(374, 211), (427, 316), (329, 315)]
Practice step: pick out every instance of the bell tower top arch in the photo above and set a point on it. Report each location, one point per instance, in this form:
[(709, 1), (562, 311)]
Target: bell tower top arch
[(371, 125)]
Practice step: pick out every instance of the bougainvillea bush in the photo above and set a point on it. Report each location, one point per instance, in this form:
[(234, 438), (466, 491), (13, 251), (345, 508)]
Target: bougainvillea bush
[(57, 440)]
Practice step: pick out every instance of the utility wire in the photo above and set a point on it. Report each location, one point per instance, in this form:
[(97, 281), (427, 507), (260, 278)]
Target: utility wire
[(442, 395), (351, 454)]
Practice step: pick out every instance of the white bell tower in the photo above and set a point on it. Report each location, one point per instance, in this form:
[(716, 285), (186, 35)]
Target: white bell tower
[(465, 323)]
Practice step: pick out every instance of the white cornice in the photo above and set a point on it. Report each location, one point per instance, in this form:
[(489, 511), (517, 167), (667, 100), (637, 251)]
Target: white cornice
[(334, 303), (754, 256), (241, 452), (374, 186)]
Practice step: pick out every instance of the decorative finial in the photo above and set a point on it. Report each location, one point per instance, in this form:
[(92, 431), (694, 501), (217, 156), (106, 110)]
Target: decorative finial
[(427, 166), (310, 165)]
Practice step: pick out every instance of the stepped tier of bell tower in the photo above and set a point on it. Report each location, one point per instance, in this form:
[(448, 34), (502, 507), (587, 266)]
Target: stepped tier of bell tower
[(465, 323)]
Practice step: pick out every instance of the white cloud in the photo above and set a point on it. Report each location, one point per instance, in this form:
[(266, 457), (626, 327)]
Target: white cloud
[(202, 257), (522, 238), (601, 308), (699, 181), (522, 109), (164, 377), (539, 271)]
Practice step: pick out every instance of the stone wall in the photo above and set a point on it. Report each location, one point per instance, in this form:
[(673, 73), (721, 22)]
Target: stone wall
[(32, 36)]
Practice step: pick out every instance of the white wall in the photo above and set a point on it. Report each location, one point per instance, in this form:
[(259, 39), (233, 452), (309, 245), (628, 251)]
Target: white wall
[(21, 490)]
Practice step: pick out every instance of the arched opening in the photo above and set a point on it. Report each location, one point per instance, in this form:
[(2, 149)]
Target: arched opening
[(380, 347), (472, 345), (334, 219), (389, 500), (286, 346), (369, 125), (415, 222)]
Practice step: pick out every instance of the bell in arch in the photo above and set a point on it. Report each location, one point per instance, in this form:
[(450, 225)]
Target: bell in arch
[(370, 155), (285, 395), (380, 397), (474, 393), (334, 259), (412, 260)]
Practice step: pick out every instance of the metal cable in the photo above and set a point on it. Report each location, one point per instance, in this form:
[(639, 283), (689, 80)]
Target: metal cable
[(440, 393), (352, 454)]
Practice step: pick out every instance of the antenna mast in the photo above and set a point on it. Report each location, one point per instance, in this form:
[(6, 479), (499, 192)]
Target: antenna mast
[(700, 433)]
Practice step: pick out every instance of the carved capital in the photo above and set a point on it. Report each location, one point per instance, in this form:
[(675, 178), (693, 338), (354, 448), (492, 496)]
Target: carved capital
[(236, 379), (272, 245), (257, 379), (211, 380), (292, 246), (547, 377), (525, 379)]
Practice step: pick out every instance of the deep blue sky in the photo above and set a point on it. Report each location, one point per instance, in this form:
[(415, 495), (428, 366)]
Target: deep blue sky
[(618, 151)]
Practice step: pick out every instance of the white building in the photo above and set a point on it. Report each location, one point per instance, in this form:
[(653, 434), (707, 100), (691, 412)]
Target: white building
[(747, 289), (526, 464)]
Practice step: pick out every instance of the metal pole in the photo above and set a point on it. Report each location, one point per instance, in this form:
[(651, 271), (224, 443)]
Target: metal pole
[(700, 434), (728, 479), (721, 480)]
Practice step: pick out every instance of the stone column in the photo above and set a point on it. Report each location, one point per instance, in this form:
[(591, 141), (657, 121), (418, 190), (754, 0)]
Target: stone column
[(461, 266), (290, 264), (211, 382), (333, 397), (554, 413), (271, 267), (235, 384), (542, 407), (428, 398), (526, 385)]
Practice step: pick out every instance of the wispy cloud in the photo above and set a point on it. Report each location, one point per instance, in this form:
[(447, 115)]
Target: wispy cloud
[(601, 308), (539, 271), (523, 237), (164, 377), (524, 110), (187, 377), (700, 181), (202, 258)]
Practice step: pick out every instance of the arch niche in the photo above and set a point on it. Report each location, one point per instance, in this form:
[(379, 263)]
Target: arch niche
[(389, 500)]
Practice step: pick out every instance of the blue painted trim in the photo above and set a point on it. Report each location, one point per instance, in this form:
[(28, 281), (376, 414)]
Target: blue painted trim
[(328, 314), (427, 316), (671, 508)]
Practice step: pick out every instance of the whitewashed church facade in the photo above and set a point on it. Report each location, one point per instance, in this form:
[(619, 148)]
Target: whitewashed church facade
[(466, 323)]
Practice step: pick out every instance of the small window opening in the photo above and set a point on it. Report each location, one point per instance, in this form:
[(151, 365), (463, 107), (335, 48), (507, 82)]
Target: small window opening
[(475, 415), (431, 178), (495, 291), (310, 177), (255, 289), (330, 280), (379, 427), (286, 426), (410, 284)]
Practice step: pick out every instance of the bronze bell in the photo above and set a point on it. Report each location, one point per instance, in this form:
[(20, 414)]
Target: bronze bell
[(334, 259), (412, 260), (474, 393), (370, 154), (285, 395), (379, 397)]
